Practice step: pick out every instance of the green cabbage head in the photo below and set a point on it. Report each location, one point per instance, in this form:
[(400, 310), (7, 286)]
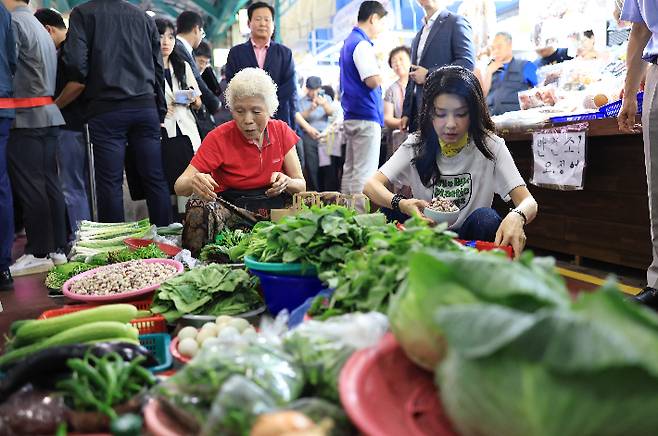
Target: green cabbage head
[(589, 370)]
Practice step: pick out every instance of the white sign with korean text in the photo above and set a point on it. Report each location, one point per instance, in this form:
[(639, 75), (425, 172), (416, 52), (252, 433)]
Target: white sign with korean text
[(559, 159)]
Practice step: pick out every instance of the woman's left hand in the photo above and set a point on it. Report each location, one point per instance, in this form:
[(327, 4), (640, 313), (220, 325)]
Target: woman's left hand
[(279, 184), (510, 232)]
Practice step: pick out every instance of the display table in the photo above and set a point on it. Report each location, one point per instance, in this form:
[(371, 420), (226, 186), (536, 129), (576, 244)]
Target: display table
[(609, 219)]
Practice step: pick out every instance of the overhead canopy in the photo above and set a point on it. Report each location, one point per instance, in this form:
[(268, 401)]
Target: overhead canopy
[(219, 15)]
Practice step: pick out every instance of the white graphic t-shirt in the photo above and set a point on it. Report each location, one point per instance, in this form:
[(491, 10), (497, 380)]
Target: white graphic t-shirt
[(469, 179)]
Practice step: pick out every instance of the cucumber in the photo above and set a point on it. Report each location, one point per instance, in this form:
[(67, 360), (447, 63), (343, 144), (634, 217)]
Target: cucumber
[(94, 331), (37, 330)]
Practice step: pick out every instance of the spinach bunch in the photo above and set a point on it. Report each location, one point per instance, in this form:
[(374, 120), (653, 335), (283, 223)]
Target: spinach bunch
[(370, 276), (211, 290), (225, 249), (322, 237)]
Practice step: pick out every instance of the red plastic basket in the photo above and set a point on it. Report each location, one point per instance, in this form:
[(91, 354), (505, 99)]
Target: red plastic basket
[(149, 324)]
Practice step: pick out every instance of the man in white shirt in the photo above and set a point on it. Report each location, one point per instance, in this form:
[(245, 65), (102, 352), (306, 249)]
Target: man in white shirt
[(445, 39), (362, 102)]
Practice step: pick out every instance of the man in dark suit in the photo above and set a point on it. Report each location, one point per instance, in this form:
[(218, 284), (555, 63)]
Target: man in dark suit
[(190, 33), (445, 39), (261, 52)]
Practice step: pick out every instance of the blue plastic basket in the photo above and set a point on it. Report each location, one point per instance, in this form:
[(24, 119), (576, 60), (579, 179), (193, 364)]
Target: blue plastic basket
[(282, 269), (286, 291), (611, 110), (577, 117), (158, 344)]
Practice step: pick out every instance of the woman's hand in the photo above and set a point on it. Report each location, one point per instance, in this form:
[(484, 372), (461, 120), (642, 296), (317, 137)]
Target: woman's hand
[(204, 186), (414, 207), (196, 104), (510, 232), (279, 184)]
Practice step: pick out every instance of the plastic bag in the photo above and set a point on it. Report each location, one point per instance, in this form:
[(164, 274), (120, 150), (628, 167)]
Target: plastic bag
[(320, 410), (185, 257), (189, 394), (236, 406), (323, 347)]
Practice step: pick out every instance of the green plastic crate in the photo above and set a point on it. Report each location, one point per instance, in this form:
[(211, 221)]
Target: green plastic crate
[(158, 344)]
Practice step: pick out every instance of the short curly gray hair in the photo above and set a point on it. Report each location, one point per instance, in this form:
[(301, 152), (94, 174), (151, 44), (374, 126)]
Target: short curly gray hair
[(252, 82)]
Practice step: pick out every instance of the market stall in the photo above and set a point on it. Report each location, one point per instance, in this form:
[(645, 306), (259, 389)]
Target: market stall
[(293, 327), (608, 220)]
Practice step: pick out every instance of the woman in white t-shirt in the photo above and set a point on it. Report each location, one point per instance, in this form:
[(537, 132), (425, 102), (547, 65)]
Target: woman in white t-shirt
[(456, 155)]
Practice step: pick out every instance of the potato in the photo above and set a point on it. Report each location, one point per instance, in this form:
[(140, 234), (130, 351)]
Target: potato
[(187, 332)]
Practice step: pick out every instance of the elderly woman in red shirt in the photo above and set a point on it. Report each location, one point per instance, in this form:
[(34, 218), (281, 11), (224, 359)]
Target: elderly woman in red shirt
[(250, 161)]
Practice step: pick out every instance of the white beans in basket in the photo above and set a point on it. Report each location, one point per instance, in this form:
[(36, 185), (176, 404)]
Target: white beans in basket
[(123, 277)]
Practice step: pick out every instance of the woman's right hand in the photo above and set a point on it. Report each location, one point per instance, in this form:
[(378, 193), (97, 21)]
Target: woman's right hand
[(204, 186), (414, 207)]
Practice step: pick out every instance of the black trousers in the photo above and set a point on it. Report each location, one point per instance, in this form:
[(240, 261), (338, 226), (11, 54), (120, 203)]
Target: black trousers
[(33, 174)]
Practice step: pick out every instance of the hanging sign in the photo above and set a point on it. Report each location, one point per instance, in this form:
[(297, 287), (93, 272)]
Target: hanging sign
[(559, 157)]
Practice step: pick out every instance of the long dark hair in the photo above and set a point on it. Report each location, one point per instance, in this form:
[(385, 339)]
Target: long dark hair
[(450, 80), (177, 63)]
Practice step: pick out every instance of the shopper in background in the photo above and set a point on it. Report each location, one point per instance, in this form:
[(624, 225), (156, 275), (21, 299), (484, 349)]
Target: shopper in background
[(205, 120), (643, 49), (71, 147), (587, 47), (505, 76), (189, 26), (7, 114), (224, 113), (399, 60), (445, 39), (457, 156), (179, 120), (260, 51), (360, 81), (315, 109), (202, 56), (113, 48), (32, 145)]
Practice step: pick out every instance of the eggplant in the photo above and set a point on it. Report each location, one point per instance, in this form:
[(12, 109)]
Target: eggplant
[(46, 367)]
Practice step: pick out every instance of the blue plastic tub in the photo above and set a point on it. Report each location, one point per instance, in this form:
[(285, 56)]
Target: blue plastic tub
[(287, 292), (158, 344)]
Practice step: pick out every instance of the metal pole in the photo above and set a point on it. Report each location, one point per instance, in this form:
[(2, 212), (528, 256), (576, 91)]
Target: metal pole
[(92, 175)]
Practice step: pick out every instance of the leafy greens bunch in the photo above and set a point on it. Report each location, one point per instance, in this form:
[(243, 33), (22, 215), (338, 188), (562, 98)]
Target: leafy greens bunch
[(370, 276), (211, 290), (322, 237)]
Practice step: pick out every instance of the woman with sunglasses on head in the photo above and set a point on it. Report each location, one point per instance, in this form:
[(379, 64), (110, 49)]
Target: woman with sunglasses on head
[(456, 155)]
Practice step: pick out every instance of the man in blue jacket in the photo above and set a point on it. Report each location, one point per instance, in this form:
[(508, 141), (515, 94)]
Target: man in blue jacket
[(261, 52), (445, 39), (360, 82), (7, 70)]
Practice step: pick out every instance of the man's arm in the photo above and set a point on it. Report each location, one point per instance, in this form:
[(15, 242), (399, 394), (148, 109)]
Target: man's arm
[(75, 53), (71, 91), (462, 44), (11, 48), (636, 67)]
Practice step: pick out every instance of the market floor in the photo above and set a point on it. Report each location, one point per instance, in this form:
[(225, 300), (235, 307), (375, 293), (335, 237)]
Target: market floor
[(29, 298)]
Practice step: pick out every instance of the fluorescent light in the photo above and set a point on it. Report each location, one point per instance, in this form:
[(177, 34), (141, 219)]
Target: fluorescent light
[(150, 13)]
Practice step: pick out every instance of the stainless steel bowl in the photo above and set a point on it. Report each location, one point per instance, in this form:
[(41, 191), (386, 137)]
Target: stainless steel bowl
[(198, 321)]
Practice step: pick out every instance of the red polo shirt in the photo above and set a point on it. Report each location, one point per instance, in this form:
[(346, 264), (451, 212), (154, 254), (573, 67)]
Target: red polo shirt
[(236, 163)]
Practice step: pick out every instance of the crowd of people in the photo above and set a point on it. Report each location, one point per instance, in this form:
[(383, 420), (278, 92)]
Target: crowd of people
[(150, 104)]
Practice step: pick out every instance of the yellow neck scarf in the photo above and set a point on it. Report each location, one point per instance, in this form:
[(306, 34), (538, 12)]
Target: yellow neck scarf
[(451, 150)]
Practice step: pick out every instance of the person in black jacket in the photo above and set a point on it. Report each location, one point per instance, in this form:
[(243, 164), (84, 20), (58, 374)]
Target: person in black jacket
[(260, 51), (189, 34), (113, 48)]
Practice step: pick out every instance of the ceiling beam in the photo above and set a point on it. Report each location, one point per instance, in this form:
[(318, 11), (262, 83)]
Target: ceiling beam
[(227, 18)]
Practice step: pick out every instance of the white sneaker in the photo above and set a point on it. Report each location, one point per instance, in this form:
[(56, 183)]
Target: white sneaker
[(58, 258), (28, 264)]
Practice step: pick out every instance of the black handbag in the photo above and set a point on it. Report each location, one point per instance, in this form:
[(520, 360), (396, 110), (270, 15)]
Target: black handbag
[(177, 152)]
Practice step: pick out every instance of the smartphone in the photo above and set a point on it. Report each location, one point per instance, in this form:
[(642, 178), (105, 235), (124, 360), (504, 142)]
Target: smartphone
[(321, 93)]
